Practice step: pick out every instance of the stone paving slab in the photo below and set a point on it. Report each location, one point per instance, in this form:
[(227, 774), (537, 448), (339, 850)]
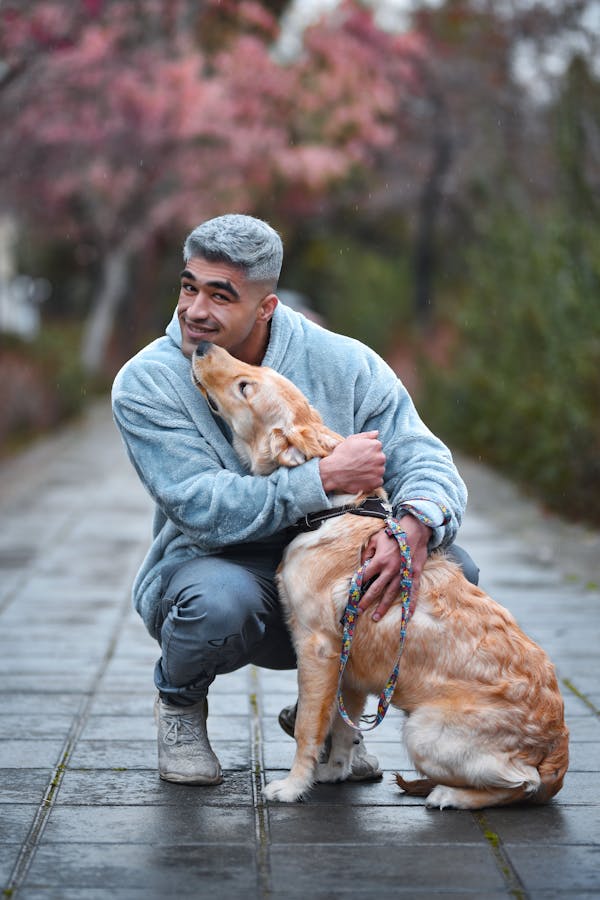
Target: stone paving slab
[(83, 814), (390, 870), (159, 869)]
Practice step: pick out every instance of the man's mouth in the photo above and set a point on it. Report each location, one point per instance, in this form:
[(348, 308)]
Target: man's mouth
[(197, 333)]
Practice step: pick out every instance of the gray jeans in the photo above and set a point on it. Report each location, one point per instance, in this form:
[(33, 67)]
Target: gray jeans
[(222, 612)]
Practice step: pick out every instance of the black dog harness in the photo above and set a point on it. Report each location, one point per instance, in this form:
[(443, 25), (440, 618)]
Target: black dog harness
[(371, 506)]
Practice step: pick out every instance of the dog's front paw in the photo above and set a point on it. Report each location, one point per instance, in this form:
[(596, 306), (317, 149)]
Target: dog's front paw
[(286, 790), (333, 770)]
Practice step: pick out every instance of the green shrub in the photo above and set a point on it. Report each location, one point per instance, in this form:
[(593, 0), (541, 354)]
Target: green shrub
[(523, 391), (360, 290), (42, 384)]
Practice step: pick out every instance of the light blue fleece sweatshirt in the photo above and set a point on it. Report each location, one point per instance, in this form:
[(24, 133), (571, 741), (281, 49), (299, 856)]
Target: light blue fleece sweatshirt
[(205, 498)]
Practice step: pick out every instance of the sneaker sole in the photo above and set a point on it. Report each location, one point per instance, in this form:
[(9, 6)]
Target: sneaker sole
[(372, 776), (175, 778)]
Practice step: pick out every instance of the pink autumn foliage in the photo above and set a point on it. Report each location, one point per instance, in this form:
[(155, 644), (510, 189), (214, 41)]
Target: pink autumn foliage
[(253, 14), (359, 74), (121, 129)]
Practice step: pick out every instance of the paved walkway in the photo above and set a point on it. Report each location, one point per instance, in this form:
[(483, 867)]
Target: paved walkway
[(82, 812)]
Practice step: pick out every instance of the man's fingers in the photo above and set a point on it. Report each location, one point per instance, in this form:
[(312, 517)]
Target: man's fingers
[(389, 596), (375, 592), (357, 464), (371, 595), (369, 551), (383, 594)]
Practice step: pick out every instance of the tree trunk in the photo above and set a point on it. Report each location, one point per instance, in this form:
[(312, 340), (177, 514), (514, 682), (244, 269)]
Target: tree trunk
[(99, 326), (430, 202)]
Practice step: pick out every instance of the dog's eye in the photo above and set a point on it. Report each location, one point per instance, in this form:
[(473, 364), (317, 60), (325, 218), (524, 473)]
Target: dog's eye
[(242, 387)]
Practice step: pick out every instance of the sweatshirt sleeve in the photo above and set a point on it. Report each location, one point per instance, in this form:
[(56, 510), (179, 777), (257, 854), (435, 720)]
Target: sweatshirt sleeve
[(213, 505), (420, 472)]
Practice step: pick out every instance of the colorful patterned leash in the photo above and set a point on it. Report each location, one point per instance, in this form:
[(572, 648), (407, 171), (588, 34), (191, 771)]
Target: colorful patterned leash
[(350, 617)]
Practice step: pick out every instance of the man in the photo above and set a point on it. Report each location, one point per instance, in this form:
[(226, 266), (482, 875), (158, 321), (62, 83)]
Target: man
[(206, 589)]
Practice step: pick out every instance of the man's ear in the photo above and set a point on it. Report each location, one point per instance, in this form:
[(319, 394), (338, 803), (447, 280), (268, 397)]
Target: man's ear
[(267, 307), (282, 451)]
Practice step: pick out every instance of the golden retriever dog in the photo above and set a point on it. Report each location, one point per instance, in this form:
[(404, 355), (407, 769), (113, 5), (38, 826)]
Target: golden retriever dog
[(485, 718)]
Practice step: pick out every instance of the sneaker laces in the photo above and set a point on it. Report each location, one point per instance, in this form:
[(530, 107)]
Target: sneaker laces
[(182, 729)]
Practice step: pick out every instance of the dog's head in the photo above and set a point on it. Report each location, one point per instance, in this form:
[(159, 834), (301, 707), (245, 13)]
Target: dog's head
[(272, 422)]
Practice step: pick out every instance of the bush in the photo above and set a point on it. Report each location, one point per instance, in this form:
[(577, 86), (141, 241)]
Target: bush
[(524, 387), (42, 384), (360, 290)]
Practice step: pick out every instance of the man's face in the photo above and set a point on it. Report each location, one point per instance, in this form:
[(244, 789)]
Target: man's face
[(217, 304)]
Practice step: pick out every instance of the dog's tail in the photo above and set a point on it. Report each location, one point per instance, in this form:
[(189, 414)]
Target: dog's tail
[(552, 769)]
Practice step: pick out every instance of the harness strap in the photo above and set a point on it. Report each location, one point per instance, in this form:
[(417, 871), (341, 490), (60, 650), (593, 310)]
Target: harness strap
[(371, 506), (350, 617)]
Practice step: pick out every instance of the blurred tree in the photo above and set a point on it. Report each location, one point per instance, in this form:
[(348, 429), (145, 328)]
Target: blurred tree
[(92, 129), (473, 126), (576, 119), (128, 126), (122, 126), (521, 383)]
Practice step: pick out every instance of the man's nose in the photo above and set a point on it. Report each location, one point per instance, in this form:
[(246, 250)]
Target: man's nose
[(198, 309)]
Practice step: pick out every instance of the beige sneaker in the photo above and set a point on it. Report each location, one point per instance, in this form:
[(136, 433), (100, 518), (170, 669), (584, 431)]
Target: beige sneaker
[(184, 752), (365, 766)]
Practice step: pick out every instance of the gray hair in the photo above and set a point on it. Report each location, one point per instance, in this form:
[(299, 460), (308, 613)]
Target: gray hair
[(242, 241)]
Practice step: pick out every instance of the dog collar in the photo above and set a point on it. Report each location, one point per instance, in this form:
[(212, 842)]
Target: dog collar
[(371, 506)]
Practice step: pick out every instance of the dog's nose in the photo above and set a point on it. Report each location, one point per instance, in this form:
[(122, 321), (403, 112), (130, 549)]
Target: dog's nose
[(203, 348)]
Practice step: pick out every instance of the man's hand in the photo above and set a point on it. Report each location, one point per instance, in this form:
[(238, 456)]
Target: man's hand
[(386, 562), (355, 466)]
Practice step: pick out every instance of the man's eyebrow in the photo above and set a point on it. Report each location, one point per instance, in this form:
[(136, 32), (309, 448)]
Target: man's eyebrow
[(224, 286), (217, 283)]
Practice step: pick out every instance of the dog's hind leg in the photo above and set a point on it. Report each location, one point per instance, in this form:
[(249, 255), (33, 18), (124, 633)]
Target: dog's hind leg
[(445, 797), (468, 773), (318, 664)]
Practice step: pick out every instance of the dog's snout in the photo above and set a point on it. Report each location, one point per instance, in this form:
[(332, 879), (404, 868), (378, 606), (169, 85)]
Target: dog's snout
[(202, 348)]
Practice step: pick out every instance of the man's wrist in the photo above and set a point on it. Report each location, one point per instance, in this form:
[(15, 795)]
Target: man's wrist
[(416, 526), (431, 513), (325, 471)]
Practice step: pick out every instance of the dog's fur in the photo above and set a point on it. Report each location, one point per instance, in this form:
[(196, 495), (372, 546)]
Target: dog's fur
[(485, 722)]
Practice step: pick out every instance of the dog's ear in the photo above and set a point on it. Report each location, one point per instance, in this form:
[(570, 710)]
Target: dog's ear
[(312, 437), (296, 444), (328, 440), (283, 451)]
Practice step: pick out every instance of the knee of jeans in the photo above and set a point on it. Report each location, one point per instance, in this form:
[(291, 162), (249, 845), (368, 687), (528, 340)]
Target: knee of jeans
[(471, 571), (469, 568), (214, 610)]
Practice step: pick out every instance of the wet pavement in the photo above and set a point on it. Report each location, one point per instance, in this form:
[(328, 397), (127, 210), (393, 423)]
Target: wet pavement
[(83, 813)]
